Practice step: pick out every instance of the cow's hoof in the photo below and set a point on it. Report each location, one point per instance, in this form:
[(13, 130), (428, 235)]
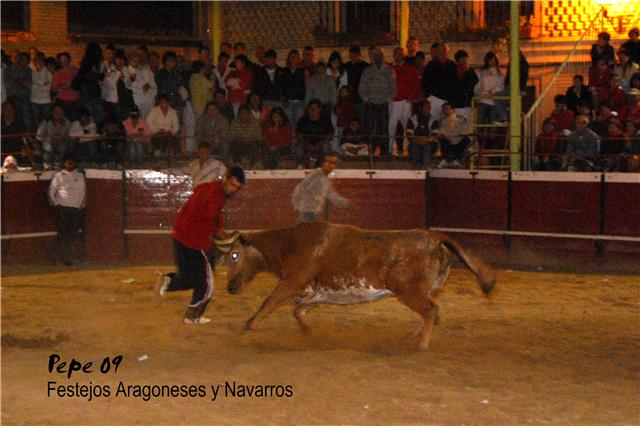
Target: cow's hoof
[(422, 348), (305, 329)]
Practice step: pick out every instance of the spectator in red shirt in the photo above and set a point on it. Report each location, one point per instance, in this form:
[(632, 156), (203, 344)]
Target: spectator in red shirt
[(562, 115), (277, 133), (198, 221), (614, 95), (66, 95), (238, 83), (631, 111), (599, 77), (548, 148), (407, 91)]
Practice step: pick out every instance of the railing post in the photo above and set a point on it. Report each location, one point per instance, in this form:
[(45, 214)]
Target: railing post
[(515, 116)]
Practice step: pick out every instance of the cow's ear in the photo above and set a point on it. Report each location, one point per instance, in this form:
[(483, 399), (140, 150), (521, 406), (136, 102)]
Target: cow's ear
[(244, 241)]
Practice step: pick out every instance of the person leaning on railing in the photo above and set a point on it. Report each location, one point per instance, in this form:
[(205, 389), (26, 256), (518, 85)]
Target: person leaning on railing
[(631, 149), (245, 138), (84, 134), (549, 148), (53, 134), (453, 135), (213, 128), (12, 132), (582, 147), (164, 124)]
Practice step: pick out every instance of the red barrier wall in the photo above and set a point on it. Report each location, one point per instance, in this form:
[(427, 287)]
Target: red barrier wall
[(467, 199), (131, 219), (622, 204), (562, 202), (104, 217)]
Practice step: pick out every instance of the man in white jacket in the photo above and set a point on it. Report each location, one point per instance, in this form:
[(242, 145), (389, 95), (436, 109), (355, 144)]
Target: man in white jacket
[(67, 193), (309, 196), (164, 124)]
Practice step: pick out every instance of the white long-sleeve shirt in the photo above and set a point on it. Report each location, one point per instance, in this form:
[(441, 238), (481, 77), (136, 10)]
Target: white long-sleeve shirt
[(490, 80), (144, 76), (68, 189), (41, 86), (110, 83), (311, 194), (158, 121), (83, 133)]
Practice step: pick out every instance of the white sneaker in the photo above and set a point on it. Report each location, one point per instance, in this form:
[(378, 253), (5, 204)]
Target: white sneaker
[(455, 164), (196, 321), (161, 287), (442, 164)]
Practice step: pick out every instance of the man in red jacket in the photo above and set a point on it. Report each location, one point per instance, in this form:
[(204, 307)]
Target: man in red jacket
[(197, 222)]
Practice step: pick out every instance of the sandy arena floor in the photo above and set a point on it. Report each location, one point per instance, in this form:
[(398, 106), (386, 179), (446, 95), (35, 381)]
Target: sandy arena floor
[(544, 349)]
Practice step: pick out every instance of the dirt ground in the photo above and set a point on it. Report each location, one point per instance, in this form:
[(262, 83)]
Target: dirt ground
[(543, 349)]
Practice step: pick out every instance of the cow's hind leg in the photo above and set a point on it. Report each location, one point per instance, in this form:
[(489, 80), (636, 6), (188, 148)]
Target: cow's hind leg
[(421, 303), (300, 313)]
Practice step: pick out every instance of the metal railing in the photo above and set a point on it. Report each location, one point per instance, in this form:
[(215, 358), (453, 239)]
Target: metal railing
[(577, 61)]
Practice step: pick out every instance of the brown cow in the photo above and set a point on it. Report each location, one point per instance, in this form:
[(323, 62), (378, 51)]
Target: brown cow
[(340, 264)]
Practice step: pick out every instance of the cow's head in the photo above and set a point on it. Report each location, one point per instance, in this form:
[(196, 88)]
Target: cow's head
[(245, 261)]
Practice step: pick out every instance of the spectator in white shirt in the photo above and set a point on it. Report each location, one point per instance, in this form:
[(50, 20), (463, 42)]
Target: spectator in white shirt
[(204, 169), (491, 81), (84, 134), (142, 83), (67, 193), (40, 99), (163, 121)]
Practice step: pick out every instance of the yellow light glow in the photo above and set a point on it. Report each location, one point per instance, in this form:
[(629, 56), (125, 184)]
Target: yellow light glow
[(619, 7)]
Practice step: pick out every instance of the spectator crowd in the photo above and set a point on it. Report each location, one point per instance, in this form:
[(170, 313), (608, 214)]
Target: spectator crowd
[(595, 125), (138, 105)]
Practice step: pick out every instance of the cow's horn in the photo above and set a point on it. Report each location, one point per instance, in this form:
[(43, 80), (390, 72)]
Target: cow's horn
[(227, 241)]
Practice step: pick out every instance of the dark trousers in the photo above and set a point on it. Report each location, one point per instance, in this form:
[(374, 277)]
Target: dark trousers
[(272, 157), (194, 272), (245, 152), (451, 152), (69, 242), (376, 123)]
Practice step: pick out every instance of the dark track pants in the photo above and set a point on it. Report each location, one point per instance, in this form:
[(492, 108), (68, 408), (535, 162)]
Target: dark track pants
[(194, 272)]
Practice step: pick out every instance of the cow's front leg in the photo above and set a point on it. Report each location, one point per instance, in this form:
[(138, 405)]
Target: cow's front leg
[(282, 293), (300, 313), (428, 320)]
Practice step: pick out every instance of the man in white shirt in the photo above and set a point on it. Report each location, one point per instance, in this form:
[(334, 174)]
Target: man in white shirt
[(164, 124), (67, 193), (453, 133), (204, 169), (310, 196)]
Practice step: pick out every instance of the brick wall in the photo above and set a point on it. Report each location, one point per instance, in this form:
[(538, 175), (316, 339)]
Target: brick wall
[(48, 31), (280, 24), (428, 19)]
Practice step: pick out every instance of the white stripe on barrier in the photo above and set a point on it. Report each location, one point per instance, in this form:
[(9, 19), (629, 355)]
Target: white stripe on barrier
[(622, 177), (537, 234), (29, 235), (469, 174), (556, 176), (146, 231), (28, 176), (103, 174)]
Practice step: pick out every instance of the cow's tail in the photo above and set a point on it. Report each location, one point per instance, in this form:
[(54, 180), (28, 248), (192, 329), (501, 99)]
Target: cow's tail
[(484, 273)]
